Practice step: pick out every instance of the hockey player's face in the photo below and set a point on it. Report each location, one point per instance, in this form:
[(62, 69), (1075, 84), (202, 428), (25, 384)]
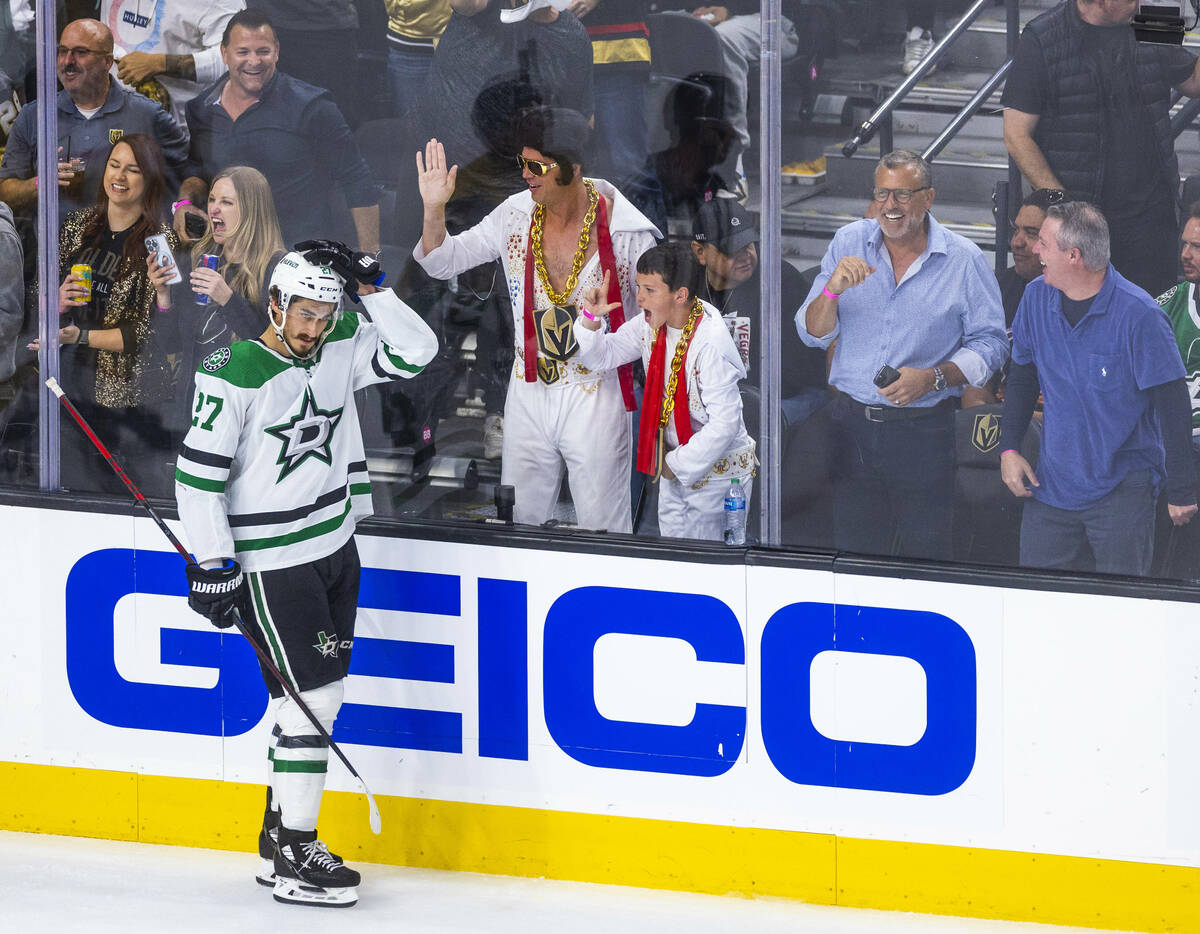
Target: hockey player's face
[(223, 209), (251, 57), (1191, 250), (658, 303), (306, 320)]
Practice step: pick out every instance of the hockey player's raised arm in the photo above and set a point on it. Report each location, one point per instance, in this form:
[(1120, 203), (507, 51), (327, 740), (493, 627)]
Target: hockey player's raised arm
[(393, 344), (202, 469)]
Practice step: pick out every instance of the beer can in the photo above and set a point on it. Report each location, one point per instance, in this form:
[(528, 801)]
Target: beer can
[(207, 261), (84, 271)]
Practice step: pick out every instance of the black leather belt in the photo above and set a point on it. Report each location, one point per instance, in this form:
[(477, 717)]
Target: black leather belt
[(895, 413)]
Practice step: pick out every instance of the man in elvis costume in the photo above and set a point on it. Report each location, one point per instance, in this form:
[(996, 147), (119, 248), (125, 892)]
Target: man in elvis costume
[(555, 240)]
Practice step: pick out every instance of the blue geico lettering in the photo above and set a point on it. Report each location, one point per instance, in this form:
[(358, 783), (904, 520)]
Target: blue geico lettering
[(709, 745)]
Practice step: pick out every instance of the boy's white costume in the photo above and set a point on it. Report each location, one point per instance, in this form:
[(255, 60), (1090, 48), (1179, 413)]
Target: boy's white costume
[(692, 504), (573, 414)]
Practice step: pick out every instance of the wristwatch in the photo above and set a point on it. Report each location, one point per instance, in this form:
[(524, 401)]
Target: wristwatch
[(939, 379), (84, 336)]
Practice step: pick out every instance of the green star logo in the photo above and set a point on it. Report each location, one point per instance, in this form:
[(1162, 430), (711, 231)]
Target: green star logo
[(308, 434)]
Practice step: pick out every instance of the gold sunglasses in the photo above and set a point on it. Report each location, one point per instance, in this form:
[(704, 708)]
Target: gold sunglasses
[(537, 169)]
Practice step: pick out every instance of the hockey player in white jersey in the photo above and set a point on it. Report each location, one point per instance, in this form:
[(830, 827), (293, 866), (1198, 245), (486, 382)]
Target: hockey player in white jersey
[(270, 483)]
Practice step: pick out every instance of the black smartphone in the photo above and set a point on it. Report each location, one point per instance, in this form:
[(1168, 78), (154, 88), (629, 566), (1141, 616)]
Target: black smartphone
[(195, 225), (886, 376)]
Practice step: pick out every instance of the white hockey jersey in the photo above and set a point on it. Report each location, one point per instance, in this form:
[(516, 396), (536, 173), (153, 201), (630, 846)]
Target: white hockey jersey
[(273, 470)]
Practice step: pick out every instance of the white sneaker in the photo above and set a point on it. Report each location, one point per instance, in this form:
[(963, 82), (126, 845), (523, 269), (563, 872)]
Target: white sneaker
[(493, 436), (917, 44)]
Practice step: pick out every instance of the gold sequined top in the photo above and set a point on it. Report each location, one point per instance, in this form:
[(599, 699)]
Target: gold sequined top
[(133, 376)]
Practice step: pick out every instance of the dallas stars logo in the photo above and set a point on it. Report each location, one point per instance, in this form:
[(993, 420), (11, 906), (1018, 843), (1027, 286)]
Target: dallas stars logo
[(327, 645), (306, 434)]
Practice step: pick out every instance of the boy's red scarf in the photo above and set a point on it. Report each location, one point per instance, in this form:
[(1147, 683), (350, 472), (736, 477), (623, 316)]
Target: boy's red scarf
[(650, 441), (608, 263)]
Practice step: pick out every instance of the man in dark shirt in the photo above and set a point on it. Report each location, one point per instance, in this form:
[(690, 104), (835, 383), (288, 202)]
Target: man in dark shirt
[(290, 131), (725, 242), (1086, 111), (493, 62)]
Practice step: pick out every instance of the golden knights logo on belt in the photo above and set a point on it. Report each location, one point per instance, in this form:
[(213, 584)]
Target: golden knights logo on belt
[(555, 330), (985, 433)]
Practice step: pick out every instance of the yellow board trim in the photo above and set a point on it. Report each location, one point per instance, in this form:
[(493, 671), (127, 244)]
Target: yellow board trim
[(817, 868)]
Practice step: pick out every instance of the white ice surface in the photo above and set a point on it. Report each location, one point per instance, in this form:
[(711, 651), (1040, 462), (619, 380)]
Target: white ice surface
[(63, 884)]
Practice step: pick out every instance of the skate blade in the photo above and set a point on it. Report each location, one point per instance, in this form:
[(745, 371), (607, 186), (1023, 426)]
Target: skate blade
[(294, 892), (266, 874)]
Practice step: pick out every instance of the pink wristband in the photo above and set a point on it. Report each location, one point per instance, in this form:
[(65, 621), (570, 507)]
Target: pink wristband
[(1006, 450), (825, 291), (587, 314)]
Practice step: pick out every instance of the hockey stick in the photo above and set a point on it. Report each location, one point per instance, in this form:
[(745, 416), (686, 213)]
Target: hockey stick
[(375, 820)]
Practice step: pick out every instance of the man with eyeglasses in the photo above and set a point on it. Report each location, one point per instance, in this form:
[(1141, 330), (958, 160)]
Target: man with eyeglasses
[(915, 310), (271, 481), (563, 235), (93, 112), (1087, 110)]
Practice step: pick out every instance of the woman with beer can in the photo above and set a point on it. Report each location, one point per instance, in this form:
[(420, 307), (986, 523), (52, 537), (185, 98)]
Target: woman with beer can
[(223, 294), (110, 356)]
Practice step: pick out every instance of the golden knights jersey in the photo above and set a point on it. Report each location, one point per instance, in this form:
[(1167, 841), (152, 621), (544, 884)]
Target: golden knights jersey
[(273, 471), (1179, 302)]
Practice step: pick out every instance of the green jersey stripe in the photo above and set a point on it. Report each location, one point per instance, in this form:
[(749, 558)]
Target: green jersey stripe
[(267, 625), (200, 483), (399, 362), (301, 535), (293, 765), (360, 489)]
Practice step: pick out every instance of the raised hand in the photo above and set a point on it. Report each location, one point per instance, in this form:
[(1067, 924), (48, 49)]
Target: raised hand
[(435, 182), (594, 301), (849, 272)]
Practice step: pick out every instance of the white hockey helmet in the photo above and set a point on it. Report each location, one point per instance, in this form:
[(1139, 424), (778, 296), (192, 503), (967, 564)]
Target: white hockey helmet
[(295, 277)]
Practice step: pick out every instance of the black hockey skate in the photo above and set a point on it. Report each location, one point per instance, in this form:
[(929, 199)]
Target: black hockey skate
[(306, 873), (266, 844)]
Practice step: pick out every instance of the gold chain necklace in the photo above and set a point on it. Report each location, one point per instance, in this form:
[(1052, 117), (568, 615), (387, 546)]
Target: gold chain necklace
[(585, 236), (681, 348)]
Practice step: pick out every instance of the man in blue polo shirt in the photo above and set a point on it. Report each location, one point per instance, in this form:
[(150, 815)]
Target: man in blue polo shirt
[(902, 291), (93, 112), (1102, 352)]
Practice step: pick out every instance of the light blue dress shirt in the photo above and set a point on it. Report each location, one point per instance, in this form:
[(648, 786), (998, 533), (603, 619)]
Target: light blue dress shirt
[(946, 308)]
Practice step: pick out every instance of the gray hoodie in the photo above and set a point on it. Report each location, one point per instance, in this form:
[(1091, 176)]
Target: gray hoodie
[(12, 292)]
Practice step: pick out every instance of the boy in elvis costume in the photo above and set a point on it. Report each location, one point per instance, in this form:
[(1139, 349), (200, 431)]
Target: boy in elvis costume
[(691, 437)]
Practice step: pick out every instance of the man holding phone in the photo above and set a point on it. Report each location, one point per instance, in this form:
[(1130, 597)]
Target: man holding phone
[(916, 313)]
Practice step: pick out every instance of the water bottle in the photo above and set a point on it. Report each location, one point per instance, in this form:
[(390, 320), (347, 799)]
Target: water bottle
[(735, 514)]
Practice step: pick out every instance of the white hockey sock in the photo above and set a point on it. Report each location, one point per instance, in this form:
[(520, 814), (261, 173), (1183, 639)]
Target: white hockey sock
[(302, 756)]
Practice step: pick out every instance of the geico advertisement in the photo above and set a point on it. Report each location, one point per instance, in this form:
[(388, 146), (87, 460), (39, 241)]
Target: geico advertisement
[(765, 697)]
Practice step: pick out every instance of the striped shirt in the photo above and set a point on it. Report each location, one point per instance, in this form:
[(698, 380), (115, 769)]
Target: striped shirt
[(273, 470)]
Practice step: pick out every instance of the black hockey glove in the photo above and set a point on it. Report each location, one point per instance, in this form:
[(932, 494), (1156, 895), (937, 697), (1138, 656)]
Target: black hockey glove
[(352, 266), (214, 593)]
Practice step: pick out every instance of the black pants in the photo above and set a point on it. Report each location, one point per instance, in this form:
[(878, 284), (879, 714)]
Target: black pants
[(304, 617), (893, 483)]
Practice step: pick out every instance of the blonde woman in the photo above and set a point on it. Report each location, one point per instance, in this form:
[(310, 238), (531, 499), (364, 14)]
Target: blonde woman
[(243, 231)]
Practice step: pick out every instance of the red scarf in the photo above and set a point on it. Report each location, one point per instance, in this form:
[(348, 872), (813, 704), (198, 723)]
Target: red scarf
[(649, 455), (608, 263)]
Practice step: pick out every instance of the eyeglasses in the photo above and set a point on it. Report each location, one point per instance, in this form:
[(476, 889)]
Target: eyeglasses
[(903, 195), (537, 169), (79, 52)]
